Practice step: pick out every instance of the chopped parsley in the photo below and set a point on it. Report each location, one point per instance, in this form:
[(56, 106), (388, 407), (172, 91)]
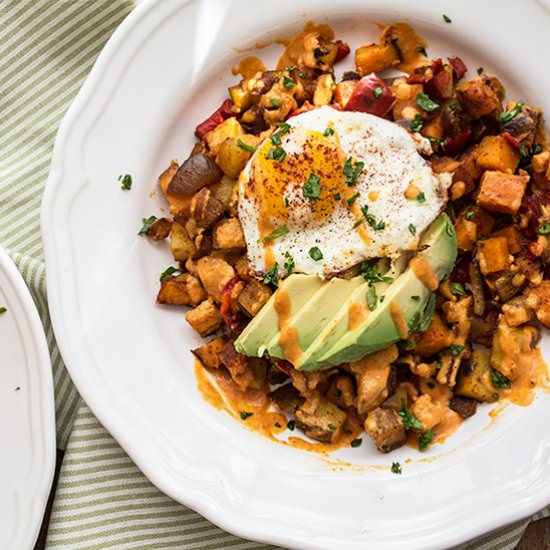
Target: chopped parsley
[(277, 425), (274, 101), (507, 116), (3, 310), (272, 275), (470, 215), (286, 202), (425, 440), (422, 50), (424, 101), (447, 19), (168, 271), (276, 153), (275, 234), (421, 197), (415, 298), (331, 427), (457, 288), (125, 181), (146, 224), (536, 149), (302, 74), (412, 229), (371, 274), (288, 82), (358, 223), (336, 196), (315, 253), (499, 380), (290, 264), (372, 298), (352, 199), (396, 468), (282, 129), (245, 147), (351, 171), (543, 229), (454, 105), (496, 396), (524, 152), (245, 415), (408, 418), (312, 188), (406, 345), (290, 68), (328, 132), (356, 442), (377, 92), (430, 384), (456, 349), (480, 70), (382, 298), (371, 220), (291, 424), (417, 123)]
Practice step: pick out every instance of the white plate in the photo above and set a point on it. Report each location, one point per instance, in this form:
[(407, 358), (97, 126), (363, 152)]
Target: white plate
[(164, 70), (27, 421)]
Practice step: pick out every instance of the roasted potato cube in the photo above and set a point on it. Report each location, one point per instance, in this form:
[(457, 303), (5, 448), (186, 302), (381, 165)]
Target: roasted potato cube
[(325, 423), (159, 230), (223, 190), (253, 297), (375, 58), (232, 157), (246, 372), (501, 192), (242, 268), (475, 382), (194, 288), (386, 429), (209, 354), (512, 236), (466, 234), (496, 153), (324, 87), (228, 234), (464, 406), (343, 92), (206, 209), (242, 98), (493, 255), (516, 311), (286, 398), (229, 128), (427, 411), (173, 292), (196, 172), (436, 338), (181, 244), (214, 274), (342, 391), (538, 299), (203, 244), (405, 106), (176, 202), (478, 98), (205, 318)]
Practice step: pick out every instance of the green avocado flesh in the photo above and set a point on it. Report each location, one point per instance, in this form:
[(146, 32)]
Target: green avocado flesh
[(320, 310)]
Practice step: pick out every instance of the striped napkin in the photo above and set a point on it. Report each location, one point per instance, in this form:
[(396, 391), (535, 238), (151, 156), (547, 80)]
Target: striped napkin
[(47, 48)]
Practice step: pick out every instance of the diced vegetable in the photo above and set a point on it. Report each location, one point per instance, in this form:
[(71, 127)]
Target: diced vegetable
[(196, 172), (493, 255), (215, 119), (181, 244), (496, 153), (229, 128), (209, 354), (205, 318), (501, 192), (475, 381), (375, 58), (371, 95), (436, 338)]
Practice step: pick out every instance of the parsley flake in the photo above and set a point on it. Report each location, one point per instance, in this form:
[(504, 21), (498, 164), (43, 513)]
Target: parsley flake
[(421, 197), (245, 415), (396, 468), (470, 215), (274, 101), (272, 275), (543, 229), (480, 70), (412, 229), (3, 310), (499, 380), (417, 123), (457, 288), (125, 181), (351, 171), (328, 132), (290, 264), (315, 253), (507, 116), (372, 298), (245, 147), (356, 442), (276, 153), (415, 298), (291, 424), (288, 82), (275, 234), (377, 92), (456, 349), (447, 19), (408, 418), (146, 224), (422, 50), (336, 196), (352, 199), (425, 440), (168, 271), (371, 274), (424, 101), (371, 220), (312, 188)]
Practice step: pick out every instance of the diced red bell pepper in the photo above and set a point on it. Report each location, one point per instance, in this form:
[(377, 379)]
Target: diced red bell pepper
[(461, 272), (459, 67), (452, 146), (306, 106), (511, 140), (417, 78), (371, 95), (215, 119), (441, 85), (342, 51), (233, 319), (437, 66)]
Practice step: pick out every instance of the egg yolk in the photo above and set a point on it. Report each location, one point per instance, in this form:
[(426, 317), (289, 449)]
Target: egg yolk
[(278, 185)]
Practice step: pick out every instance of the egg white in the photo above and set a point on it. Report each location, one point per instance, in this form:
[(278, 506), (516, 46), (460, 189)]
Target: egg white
[(392, 162)]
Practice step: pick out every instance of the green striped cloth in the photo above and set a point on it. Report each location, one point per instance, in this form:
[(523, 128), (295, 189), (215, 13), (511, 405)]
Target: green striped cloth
[(47, 48)]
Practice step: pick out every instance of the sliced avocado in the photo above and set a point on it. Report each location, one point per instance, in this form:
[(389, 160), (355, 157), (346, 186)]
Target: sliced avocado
[(413, 298), (317, 311), (255, 338)]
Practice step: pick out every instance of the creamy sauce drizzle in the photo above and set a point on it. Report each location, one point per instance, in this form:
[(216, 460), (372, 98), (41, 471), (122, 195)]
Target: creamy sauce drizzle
[(424, 272), (288, 338), (249, 66), (399, 320), (357, 313)]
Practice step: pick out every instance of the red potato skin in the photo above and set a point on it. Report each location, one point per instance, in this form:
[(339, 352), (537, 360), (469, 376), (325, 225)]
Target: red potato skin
[(363, 99), (459, 67), (441, 85), (215, 119), (342, 52), (452, 146)]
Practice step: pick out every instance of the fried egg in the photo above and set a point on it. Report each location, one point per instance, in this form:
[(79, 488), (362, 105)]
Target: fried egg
[(331, 188)]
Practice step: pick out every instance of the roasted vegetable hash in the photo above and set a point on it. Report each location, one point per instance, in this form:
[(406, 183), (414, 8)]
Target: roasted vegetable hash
[(407, 367)]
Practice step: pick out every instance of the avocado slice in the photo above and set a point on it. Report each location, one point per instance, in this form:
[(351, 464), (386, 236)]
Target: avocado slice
[(317, 311), (413, 298), (256, 336)]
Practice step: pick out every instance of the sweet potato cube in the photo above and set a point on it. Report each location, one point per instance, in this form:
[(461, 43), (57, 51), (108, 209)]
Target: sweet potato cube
[(343, 92), (436, 338), (511, 234), (496, 153), (501, 192), (181, 245), (214, 274), (493, 255), (229, 128), (209, 354), (375, 58), (205, 318), (253, 297), (173, 292), (176, 202), (228, 234), (466, 234)]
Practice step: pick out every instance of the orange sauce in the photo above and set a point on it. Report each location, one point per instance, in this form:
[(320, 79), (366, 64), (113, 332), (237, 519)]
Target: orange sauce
[(269, 256), (298, 49), (407, 41), (357, 313), (249, 66), (399, 320), (288, 338), (424, 272)]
